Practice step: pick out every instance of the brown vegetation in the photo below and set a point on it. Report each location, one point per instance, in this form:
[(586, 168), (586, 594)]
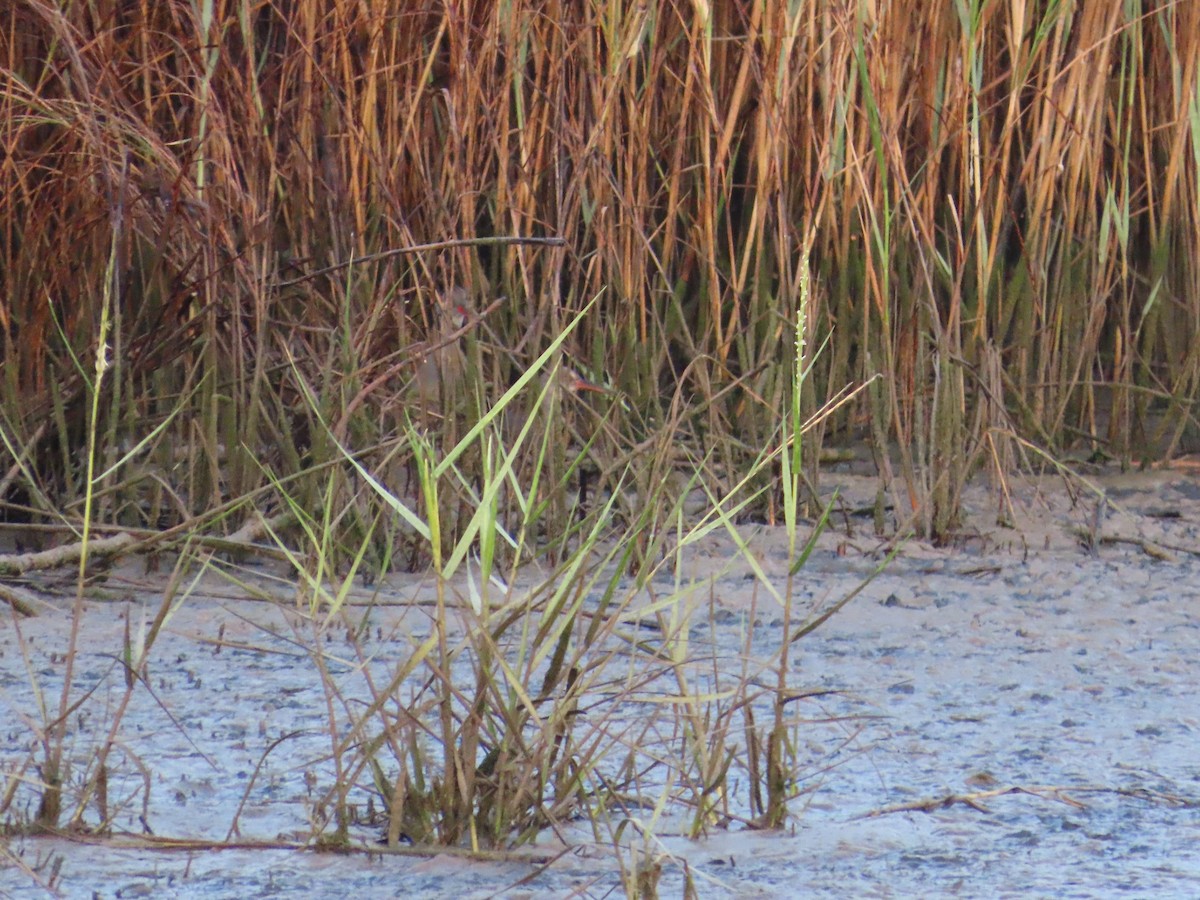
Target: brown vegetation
[(227, 230), (999, 202)]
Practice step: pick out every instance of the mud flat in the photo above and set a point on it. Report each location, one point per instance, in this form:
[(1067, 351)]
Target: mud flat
[(1011, 716)]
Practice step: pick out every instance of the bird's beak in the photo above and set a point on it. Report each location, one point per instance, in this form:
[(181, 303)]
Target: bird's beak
[(576, 383)]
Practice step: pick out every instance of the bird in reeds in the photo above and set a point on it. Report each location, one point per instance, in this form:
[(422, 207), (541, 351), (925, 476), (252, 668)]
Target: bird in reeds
[(441, 362)]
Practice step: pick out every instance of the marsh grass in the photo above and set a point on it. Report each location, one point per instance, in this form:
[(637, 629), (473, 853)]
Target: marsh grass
[(516, 712), (546, 691), (249, 186), (248, 213)]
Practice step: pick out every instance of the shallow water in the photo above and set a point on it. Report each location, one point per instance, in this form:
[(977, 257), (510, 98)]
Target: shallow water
[(1006, 662)]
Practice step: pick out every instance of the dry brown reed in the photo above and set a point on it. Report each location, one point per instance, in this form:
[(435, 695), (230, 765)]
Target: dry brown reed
[(1007, 189)]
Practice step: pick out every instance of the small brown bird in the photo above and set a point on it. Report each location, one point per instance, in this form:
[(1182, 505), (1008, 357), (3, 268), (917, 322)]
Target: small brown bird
[(442, 362), (540, 426)]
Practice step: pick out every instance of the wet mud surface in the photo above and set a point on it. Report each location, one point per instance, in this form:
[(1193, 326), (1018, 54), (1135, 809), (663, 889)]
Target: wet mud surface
[(1059, 657)]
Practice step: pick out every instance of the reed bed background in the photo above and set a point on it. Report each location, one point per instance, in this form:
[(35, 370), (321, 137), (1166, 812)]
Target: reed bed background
[(233, 237), (998, 200)]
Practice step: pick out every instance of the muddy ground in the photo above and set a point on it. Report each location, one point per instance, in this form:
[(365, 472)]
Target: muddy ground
[(1011, 716)]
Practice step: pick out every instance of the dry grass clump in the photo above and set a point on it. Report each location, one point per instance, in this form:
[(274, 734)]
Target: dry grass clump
[(574, 700)]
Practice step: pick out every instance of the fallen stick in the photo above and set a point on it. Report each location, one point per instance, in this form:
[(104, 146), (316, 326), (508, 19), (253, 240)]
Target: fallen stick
[(1046, 792), (1156, 549), (20, 599), (136, 540), (20, 563)]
